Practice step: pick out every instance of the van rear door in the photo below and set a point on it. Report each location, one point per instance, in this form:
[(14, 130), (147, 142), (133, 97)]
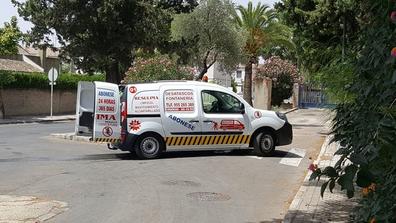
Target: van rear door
[(99, 103), (85, 108)]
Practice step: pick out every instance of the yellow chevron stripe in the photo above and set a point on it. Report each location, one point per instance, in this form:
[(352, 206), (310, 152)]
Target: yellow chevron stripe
[(188, 138), (192, 140), (248, 139), (212, 138), (243, 141), (235, 139), (173, 141), (202, 139), (183, 141), (216, 139), (197, 139), (104, 140), (238, 141), (221, 140), (225, 140), (230, 139), (178, 141), (207, 140)]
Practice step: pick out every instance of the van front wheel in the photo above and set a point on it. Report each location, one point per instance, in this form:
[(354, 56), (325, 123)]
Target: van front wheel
[(264, 143), (149, 146)]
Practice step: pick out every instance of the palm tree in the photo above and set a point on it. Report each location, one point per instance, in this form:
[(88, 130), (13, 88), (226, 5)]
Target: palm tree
[(262, 29)]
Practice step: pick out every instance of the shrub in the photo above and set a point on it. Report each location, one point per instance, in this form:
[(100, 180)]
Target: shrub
[(159, 67), (24, 80), (283, 74), (281, 89), (365, 124)]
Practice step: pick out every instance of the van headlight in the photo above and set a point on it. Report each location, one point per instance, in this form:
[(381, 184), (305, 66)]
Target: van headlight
[(281, 116)]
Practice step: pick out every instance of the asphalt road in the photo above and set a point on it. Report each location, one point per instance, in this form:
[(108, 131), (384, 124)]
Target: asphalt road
[(100, 185)]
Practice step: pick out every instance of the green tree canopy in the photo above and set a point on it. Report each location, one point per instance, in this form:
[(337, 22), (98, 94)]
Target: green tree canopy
[(9, 37), (262, 29), (99, 35), (211, 29)]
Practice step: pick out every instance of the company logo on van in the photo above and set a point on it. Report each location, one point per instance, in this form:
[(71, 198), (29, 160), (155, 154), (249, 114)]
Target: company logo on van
[(105, 117), (106, 93), (181, 122)]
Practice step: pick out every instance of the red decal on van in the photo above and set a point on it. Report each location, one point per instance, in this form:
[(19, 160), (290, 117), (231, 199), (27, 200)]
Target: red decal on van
[(105, 117), (231, 125), (107, 131), (133, 89), (134, 125)]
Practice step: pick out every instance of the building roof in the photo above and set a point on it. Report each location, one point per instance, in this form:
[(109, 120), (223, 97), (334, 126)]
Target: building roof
[(30, 51), (16, 65)]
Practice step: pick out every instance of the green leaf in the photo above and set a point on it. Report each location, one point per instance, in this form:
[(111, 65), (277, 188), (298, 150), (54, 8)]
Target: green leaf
[(358, 158), (330, 172), (342, 151), (332, 185), (350, 193), (315, 174), (346, 180), (364, 177), (323, 188), (394, 77)]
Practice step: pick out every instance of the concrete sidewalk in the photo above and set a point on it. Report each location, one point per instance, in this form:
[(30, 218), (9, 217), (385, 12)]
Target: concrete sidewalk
[(309, 206), (36, 119)]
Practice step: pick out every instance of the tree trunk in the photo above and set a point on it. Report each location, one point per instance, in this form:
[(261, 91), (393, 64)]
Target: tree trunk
[(202, 73), (247, 85), (113, 73)]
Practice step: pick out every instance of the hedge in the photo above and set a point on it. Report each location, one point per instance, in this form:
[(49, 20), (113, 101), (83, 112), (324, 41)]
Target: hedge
[(24, 80)]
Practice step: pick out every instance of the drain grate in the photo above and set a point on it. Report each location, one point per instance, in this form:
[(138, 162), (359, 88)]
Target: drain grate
[(184, 183), (208, 196)]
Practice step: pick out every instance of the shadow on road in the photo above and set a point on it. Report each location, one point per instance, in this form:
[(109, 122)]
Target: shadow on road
[(185, 154), (132, 156)]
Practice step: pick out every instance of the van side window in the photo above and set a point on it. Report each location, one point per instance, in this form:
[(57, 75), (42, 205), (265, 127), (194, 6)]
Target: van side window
[(220, 102)]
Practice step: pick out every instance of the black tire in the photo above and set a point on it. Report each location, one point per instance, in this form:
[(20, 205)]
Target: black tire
[(149, 146), (264, 143)]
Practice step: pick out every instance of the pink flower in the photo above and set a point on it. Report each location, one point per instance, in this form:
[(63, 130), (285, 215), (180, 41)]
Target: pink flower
[(393, 16), (393, 52), (312, 167)]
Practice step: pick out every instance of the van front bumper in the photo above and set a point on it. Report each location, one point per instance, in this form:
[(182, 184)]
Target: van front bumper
[(284, 135)]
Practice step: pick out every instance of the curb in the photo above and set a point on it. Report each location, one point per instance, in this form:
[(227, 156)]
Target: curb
[(10, 121), (298, 198), (71, 136), (291, 110)]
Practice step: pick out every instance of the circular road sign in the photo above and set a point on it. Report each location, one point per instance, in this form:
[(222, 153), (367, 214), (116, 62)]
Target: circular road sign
[(52, 74)]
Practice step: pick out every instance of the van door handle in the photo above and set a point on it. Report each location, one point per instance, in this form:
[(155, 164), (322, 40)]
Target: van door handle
[(207, 121), (193, 121)]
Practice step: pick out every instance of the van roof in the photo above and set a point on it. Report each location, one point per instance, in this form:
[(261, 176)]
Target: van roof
[(160, 83)]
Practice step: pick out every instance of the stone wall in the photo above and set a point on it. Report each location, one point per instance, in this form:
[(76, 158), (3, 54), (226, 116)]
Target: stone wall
[(262, 93), (24, 102)]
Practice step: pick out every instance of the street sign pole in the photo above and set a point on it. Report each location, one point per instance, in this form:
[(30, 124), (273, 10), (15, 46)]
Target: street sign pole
[(52, 76), (52, 92)]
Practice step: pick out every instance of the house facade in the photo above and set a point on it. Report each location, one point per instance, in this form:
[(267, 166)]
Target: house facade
[(29, 59)]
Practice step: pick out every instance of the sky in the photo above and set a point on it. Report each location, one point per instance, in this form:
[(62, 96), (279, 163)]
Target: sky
[(7, 10)]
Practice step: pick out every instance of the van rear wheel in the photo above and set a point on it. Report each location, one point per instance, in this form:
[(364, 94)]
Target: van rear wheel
[(264, 143), (149, 146)]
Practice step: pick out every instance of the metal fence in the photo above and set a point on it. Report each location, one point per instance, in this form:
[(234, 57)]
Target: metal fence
[(313, 98)]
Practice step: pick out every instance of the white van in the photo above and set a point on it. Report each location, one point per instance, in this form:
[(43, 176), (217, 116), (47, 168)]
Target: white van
[(152, 118)]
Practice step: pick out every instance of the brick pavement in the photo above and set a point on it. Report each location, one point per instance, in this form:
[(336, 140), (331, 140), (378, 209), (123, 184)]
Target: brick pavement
[(309, 206)]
